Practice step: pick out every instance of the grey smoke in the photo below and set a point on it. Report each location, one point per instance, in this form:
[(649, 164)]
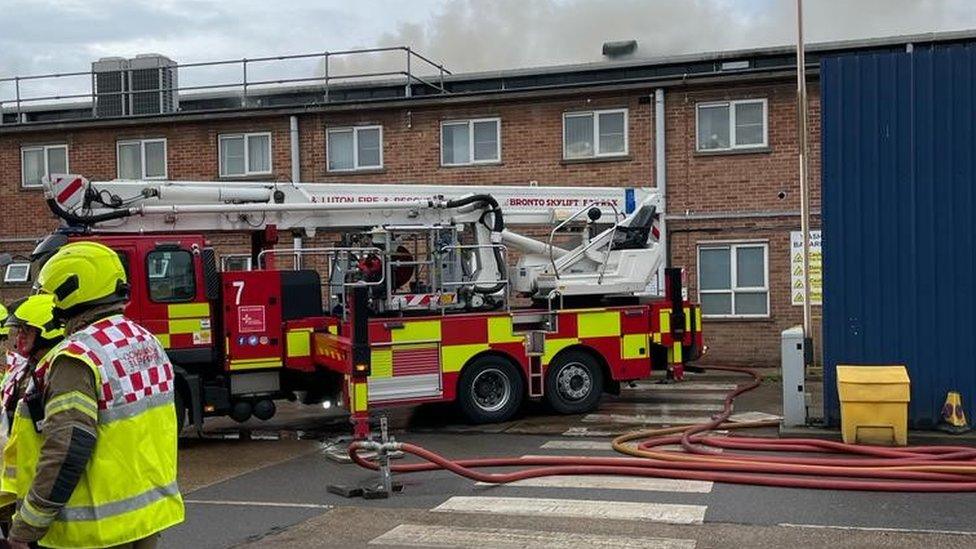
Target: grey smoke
[(478, 35)]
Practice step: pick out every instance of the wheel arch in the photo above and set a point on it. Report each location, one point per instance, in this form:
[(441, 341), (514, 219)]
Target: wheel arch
[(498, 354)]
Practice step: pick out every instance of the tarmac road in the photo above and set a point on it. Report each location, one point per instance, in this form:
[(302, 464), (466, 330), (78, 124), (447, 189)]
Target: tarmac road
[(274, 493)]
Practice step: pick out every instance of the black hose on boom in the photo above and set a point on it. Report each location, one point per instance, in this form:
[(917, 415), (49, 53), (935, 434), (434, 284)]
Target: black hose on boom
[(88, 220), (498, 225)]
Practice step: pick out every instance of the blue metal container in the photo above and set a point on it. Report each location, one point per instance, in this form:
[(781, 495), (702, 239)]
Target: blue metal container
[(899, 220)]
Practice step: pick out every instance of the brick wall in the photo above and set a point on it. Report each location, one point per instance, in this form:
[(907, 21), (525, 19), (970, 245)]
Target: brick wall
[(531, 133)]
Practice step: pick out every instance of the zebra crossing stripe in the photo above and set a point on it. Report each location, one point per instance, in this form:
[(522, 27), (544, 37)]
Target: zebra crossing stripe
[(606, 482), (577, 445), (595, 445), (425, 535), (660, 397), (671, 513), (686, 386), (645, 419), (663, 407)]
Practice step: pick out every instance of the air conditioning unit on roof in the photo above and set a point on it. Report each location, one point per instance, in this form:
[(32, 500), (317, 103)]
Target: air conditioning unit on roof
[(145, 84)]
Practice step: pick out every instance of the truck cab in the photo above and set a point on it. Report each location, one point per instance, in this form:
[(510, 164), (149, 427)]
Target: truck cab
[(237, 339)]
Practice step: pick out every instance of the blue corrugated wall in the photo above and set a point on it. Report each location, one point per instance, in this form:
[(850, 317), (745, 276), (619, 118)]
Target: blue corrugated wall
[(899, 220)]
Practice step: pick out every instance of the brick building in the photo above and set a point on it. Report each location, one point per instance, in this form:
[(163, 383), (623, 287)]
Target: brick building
[(729, 140)]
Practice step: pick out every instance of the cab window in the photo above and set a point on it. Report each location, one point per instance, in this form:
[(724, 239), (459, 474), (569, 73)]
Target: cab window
[(171, 276)]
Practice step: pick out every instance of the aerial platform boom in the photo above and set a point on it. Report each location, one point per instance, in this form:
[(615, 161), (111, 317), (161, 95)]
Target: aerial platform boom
[(619, 251)]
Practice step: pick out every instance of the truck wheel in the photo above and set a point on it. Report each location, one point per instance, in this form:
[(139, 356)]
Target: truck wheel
[(574, 383), (180, 410), (490, 390)]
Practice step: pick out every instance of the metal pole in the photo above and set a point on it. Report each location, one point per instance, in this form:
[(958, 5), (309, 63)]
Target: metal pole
[(801, 97), (406, 89), (244, 95), (17, 91), (326, 77)]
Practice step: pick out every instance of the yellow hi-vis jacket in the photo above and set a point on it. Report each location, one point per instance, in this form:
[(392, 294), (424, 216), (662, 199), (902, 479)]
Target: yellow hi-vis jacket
[(128, 491)]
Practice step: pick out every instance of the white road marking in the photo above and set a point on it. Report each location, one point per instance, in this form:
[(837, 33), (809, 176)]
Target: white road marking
[(606, 482), (663, 407), (670, 513), (586, 432), (879, 529), (684, 386), (577, 445), (645, 419), (258, 504), (678, 396), (754, 416), (418, 535)]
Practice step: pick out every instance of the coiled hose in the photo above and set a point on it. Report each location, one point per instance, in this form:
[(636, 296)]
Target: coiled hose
[(871, 468)]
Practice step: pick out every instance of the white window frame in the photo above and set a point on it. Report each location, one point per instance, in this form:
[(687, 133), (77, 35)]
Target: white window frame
[(733, 146), (355, 148), (596, 133), (247, 153), (142, 156), (227, 259), (471, 122), (11, 267), (47, 162), (732, 246)]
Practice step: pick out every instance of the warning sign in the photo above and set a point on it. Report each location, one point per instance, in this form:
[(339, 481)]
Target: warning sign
[(250, 319), (796, 268)]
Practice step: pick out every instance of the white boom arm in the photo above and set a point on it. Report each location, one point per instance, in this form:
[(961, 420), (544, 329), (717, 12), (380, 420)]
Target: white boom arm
[(130, 206)]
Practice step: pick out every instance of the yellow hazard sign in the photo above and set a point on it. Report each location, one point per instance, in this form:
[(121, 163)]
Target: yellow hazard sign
[(796, 268)]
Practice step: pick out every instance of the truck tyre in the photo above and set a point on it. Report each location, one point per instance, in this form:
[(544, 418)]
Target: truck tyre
[(574, 383), (180, 410), (490, 390)]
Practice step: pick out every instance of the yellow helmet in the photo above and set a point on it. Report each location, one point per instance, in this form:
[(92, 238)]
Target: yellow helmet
[(4, 330), (37, 311), (83, 273)]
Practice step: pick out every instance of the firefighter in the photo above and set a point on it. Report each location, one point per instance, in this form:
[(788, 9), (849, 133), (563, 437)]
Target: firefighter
[(33, 331), (109, 381)]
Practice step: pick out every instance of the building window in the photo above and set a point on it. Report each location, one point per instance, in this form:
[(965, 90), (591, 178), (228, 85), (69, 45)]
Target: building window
[(42, 161), (142, 159), (594, 134), (172, 276), (358, 148), (235, 263), (465, 142), (731, 125), (244, 154), (733, 280), (17, 272)]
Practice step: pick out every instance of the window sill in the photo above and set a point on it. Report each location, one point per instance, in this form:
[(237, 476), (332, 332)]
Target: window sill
[(473, 165), (592, 159), (32, 188), (724, 319), (258, 177), (364, 171), (733, 152)]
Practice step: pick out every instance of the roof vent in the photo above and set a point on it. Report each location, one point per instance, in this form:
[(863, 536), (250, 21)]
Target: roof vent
[(145, 84), (619, 48)]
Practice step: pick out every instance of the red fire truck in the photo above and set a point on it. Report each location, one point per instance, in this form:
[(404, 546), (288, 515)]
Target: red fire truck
[(426, 295)]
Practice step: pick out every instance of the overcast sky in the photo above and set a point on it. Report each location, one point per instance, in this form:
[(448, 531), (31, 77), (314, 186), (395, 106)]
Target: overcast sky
[(41, 36)]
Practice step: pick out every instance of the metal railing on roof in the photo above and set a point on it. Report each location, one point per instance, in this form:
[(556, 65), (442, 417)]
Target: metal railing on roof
[(22, 104)]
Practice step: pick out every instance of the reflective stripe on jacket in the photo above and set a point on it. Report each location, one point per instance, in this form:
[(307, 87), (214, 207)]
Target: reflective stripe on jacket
[(128, 491)]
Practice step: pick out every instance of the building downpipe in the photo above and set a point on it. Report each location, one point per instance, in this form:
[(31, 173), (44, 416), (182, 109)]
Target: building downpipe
[(296, 176), (661, 176)]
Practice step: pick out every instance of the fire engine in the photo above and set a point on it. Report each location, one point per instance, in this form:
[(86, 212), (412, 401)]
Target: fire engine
[(426, 293)]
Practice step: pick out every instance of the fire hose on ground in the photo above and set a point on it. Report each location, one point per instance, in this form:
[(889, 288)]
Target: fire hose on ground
[(866, 468)]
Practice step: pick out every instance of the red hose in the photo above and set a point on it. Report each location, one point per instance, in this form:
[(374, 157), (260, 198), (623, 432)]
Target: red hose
[(911, 469)]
